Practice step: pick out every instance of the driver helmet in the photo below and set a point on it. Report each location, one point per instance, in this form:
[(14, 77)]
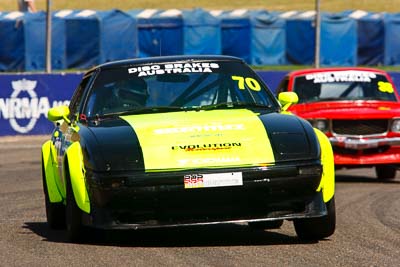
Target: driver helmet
[(134, 90)]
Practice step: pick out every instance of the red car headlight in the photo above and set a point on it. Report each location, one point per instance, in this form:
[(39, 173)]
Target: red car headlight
[(322, 124), (395, 126)]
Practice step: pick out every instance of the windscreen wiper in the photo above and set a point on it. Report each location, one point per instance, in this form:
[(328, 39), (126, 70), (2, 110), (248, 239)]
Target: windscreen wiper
[(139, 110), (233, 105)]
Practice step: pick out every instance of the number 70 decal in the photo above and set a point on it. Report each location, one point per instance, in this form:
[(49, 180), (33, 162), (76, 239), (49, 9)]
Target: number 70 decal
[(250, 82)]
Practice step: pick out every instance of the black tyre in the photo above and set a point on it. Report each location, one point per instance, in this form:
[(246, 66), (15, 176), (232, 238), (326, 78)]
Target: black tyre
[(385, 172), (55, 212), (266, 225), (73, 216), (317, 228)]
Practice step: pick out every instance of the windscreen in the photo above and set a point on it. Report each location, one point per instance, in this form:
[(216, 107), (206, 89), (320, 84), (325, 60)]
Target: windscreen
[(343, 85), (186, 85)]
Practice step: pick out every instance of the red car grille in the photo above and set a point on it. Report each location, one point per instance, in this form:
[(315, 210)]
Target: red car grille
[(359, 127)]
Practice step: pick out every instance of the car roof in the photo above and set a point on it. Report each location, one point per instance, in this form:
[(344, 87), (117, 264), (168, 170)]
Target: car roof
[(315, 70), (162, 59)]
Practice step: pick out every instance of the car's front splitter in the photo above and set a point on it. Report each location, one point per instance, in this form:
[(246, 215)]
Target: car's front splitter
[(314, 208), (162, 200)]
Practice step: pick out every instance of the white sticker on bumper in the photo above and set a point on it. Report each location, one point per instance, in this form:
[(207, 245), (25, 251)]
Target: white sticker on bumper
[(213, 180)]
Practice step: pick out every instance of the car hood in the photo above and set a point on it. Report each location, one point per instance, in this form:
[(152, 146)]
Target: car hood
[(348, 109), (202, 139)]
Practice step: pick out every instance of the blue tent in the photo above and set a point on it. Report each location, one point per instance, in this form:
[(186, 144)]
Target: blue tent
[(202, 32), (235, 33), (159, 32), (119, 38), (95, 37), (23, 42), (392, 39), (370, 37), (338, 40), (268, 39), (35, 38), (300, 37), (12, 48), (82, 31), (338, 43)]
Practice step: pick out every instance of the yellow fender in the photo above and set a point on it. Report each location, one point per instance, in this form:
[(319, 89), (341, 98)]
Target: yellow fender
[(327, 184), (50, 165), (77, 176)]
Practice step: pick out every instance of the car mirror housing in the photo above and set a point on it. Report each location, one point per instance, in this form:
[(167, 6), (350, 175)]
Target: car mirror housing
[(58, 113), (287, 99)]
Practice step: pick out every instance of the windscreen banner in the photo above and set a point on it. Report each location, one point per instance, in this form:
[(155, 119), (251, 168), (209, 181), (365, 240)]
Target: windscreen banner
[(26, 99)]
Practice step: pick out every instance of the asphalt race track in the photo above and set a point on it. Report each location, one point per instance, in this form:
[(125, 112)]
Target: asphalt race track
[(367, 233)]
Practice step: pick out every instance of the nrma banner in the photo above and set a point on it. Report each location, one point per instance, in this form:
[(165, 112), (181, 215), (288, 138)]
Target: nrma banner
[(26, 99)]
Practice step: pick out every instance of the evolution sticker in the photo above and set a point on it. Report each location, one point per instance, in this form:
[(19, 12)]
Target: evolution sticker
[(200, 67), (202, 147), (341, 76)]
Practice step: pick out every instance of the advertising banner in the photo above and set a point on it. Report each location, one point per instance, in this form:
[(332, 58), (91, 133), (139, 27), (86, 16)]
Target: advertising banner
[(25, 100)]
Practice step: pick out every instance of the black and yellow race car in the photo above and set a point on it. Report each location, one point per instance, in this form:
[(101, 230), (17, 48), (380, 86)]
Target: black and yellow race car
[(184, 140)]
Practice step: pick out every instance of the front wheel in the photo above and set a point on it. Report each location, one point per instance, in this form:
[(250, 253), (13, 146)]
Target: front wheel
[(55, 212), (319, 227), (73, 216), (385, 172)]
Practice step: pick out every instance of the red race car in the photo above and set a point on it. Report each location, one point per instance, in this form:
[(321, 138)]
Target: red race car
[(357, 108)]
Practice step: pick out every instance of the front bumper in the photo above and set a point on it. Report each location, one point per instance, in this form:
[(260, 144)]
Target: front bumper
[(160, 199), (363, 143), (360, 151)]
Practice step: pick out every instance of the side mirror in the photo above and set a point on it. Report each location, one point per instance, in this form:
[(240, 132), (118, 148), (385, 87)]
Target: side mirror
[(58, 113), (287, 99)]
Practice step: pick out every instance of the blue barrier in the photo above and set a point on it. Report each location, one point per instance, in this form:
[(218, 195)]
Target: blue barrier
[(235, 33), (268, 40), (26, 98), (84, 38), (370, 34), (338, 40), (392, 39), (158, 32), (202, 33)]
